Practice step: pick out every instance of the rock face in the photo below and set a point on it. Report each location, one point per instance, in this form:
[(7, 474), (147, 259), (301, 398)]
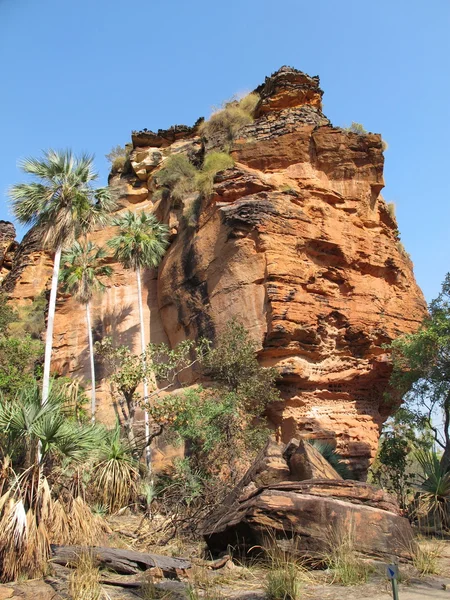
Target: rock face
[(315, 513), (295, 241), (8, 246)]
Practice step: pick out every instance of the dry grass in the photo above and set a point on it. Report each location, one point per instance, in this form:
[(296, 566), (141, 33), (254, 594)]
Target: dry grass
[(391, 209), (286, 574), (84, 580), (118, 164), (341, 558), (30, 520), (227, 122), (425, 556)]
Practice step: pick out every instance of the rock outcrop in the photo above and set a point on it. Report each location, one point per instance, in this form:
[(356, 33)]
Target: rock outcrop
[(314, 514), (295, 241), (8, 246)]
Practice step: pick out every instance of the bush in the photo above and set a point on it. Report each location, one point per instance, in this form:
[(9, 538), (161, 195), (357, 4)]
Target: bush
[(117, 152), (391, 210), (226, 123), (118, 164), (213, 163), (178, 175), (356, 128)]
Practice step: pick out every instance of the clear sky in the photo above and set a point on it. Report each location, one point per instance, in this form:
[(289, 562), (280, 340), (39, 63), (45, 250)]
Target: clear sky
[(83, 74)]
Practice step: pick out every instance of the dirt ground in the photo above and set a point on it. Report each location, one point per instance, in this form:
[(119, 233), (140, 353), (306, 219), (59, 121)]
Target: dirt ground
[(236, 581)]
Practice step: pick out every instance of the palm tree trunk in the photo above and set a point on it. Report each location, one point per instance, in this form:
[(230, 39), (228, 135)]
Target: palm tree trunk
[(91, 360), (148, 458), (50, 323)]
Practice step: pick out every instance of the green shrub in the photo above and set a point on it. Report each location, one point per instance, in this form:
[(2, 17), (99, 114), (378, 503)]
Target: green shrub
[(178, 175), (213, 163), (227, 122)]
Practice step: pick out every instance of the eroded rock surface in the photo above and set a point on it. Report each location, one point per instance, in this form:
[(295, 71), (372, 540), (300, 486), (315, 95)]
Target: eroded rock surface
[(296, 241), (313, 515)]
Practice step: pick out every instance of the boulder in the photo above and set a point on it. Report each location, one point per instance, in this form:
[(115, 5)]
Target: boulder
[(315, 513), (274, 500), (306, 462)]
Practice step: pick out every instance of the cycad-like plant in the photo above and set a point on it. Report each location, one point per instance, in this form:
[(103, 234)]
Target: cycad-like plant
[(141, 243), (63, 204), (330, 454), (81, 275), (434, 489), (117, 472)]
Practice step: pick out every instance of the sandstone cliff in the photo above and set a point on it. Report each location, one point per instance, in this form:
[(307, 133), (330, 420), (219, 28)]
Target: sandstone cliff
[(296, 241)]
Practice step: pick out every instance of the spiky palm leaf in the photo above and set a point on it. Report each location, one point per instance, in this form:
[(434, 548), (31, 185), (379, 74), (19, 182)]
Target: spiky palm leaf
[(434, 489), (63, 202), (117, 472), (25, 422), (141, 242), (82, 270), (330, 454)]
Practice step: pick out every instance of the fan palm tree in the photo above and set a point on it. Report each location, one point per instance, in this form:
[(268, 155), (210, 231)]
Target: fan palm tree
[(81, 276), (141, 243), (25, 423), (63, 204)]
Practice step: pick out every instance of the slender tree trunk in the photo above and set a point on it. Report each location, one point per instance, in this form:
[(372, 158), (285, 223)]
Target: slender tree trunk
[(91, 360), (49, 337), (50, 323), (148, 458)]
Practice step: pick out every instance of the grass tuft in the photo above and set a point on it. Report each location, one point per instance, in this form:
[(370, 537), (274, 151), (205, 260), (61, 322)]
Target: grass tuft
[(226, 123), (426, 557), (84, 580), (341, 558)]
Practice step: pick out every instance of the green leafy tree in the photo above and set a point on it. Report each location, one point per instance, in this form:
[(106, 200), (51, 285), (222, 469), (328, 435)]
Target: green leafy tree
[(19, 352), (421, 371), (141, 243), (127, 371), (223, 424), (62, 203)]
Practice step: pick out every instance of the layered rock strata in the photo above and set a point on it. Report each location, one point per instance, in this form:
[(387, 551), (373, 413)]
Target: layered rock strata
[(310, 516), (295, 241)]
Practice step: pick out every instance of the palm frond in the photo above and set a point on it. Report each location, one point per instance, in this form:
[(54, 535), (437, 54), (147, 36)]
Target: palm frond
[(141, 242), (63, 202), (81, 272)]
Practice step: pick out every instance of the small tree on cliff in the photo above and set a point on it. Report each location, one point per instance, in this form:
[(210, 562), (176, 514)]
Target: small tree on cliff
[(141, 243), (63, 204), (422, 371), (81, 276)]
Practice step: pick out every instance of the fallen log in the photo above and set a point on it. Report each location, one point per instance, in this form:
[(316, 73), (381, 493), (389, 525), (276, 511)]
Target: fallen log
[(126, 562)]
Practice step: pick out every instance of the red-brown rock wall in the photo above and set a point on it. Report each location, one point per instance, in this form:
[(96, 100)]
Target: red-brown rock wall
[(296, 241)]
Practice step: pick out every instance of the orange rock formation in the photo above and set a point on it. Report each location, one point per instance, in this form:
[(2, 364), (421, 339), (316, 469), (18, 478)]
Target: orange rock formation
[(296, 241)]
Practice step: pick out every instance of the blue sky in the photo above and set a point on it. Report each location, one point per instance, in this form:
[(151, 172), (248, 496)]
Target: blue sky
[(84, 74)]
